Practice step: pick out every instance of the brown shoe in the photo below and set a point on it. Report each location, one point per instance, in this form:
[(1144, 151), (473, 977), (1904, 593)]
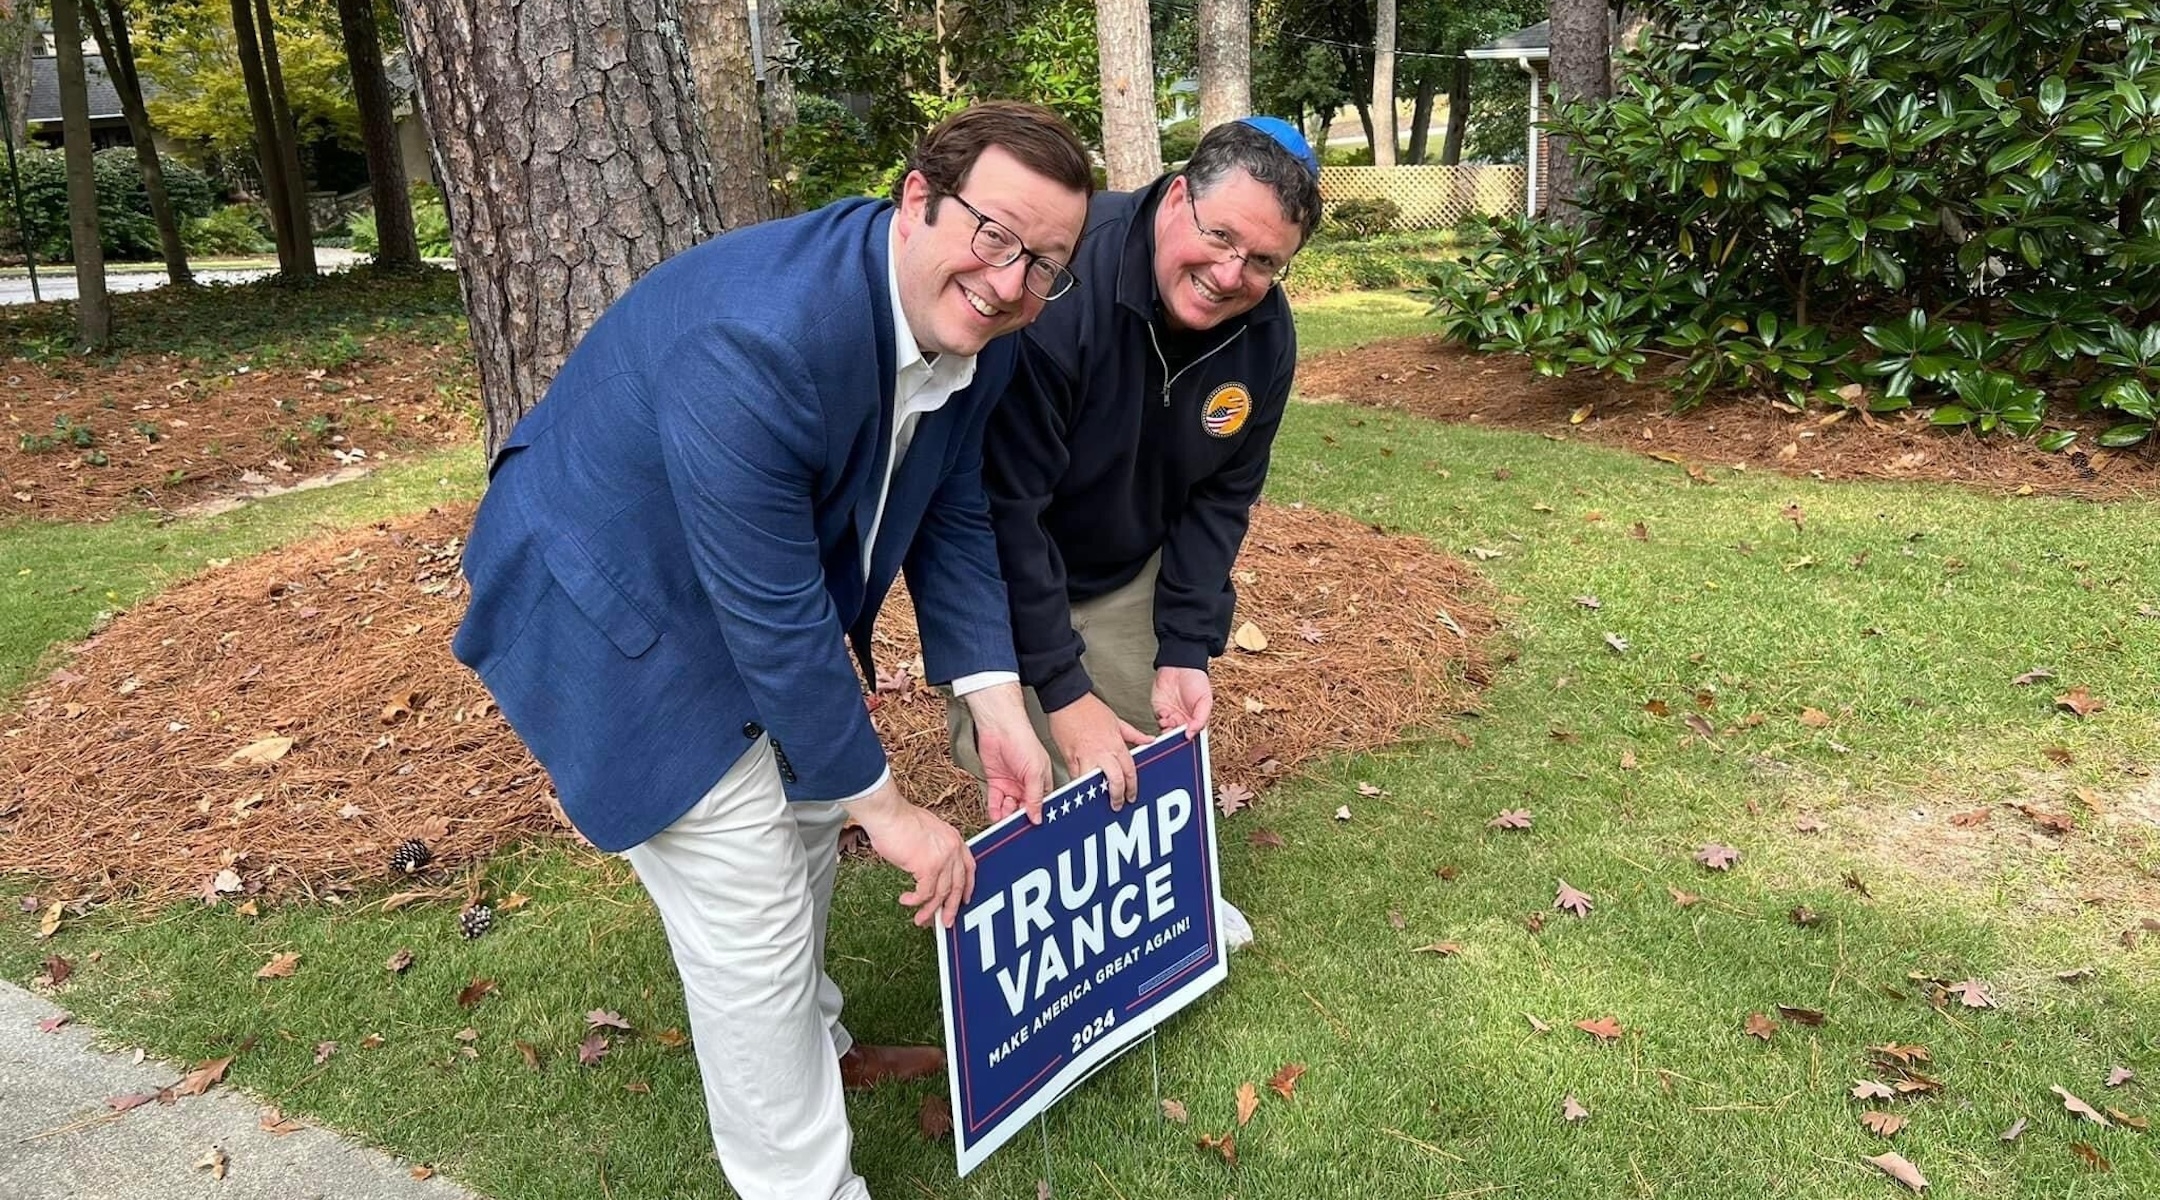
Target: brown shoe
[(868, 1066)]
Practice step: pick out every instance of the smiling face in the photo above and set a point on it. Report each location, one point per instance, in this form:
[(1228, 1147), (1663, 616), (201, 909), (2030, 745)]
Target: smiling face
[(953, 302), (1199, 289)]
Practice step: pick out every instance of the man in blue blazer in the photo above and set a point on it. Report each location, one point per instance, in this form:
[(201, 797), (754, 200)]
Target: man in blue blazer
[(679, 542)]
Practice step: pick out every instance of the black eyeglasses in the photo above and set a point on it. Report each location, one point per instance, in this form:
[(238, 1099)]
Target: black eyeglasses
[(997, 246), (1261, 268)]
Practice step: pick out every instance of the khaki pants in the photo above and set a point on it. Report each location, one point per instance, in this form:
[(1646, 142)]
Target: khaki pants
[(1119, 629)]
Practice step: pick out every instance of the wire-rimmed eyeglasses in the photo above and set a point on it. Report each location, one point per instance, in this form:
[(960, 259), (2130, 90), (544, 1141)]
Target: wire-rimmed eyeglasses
[(997, 246)]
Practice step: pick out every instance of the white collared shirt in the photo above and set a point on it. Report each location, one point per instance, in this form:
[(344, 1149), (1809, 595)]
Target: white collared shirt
[(921, 386)]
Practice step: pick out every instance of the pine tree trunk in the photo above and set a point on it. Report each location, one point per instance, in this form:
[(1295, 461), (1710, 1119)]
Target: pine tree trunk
[(572, 162), (1383, 84), (18, 30), (269, 162), (1458, 115), (779, 97), (93, 311), (719, 35), (396, 247), (1581, 70), (111, 31), (1132, 138), (296, 191), (1225, 36), (1421, 118)]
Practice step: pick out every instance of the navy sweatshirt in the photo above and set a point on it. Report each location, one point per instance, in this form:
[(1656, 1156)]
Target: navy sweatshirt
[(1120, 437)]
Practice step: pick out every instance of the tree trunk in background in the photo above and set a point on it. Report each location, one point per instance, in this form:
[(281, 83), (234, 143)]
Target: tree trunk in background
[(1225, 37), (18, 30), (296, 189), (779, 101), (269, 159), (568, 139), (1421, 119), (1365, 119), (111, 31), (1581, 70), (1458, 115), (93, 312), (718, 32), (1383, 84), (397, 248), (1132, 136)]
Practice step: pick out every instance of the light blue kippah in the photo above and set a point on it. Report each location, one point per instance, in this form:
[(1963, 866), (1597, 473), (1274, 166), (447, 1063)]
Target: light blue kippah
[(1286, 135)]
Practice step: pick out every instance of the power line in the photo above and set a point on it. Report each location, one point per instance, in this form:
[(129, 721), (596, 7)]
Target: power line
[(1320, 41)]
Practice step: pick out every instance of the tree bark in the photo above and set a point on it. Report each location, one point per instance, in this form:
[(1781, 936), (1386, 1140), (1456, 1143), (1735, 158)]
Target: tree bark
[(1383, 84), (572, 162), (718, 32), (397, 248), (1132, 137), (779, 96), (1458, 115), (296, 190), (1421, 118), (111, 31), (93, 311), (268, 160), (1581, 70), (18, 28), (1224, 30)]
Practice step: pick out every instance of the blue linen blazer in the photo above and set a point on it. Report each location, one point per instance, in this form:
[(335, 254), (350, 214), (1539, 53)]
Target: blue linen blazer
[(668, 560)]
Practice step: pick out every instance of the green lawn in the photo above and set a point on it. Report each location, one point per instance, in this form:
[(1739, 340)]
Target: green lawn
[(1901, 614)]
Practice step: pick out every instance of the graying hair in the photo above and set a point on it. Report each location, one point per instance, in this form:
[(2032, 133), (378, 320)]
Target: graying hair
[(1236, 146)]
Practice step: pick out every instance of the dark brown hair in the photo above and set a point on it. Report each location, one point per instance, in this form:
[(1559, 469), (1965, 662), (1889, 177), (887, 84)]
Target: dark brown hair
[(1039, 138)]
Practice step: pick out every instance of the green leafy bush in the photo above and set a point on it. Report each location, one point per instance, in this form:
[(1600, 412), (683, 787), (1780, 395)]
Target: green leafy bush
[(431, 225), (235, 229), (1180, 140), (126, 229), (1364, 218), (1395, 260), (1954, 204)]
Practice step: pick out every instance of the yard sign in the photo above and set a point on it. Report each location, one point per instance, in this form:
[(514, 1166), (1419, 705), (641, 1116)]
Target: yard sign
[(1085, 932)]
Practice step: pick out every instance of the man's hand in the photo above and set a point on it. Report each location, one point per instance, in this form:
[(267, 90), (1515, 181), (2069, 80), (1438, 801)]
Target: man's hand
[(1183, 696), (1016, 768), (913, 840), (1092, 738)]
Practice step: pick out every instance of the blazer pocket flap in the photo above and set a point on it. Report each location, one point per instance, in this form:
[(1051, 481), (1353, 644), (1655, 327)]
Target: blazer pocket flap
[(598, 598)]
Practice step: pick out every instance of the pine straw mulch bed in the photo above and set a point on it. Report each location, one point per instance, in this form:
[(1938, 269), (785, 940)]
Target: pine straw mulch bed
[(173, 433), (118, 774), (1431, 377)]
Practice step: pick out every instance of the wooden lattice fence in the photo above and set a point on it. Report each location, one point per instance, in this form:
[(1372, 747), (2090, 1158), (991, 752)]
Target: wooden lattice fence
[(1429, 197)]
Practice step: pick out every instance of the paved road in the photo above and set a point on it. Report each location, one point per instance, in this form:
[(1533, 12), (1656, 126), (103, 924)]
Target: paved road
[(60, 1141), (57, 281)]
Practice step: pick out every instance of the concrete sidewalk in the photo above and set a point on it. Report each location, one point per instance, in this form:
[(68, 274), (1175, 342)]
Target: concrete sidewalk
[(59, 1140)]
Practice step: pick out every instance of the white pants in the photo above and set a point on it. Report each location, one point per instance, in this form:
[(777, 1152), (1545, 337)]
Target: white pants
[(743, 882)]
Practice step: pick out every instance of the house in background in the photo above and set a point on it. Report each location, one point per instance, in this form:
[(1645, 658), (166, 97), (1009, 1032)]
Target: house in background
[(108, 121), (1530, 49)]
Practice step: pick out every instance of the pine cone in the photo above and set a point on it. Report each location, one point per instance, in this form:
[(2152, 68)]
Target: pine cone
[(411, 856), (476, 920)]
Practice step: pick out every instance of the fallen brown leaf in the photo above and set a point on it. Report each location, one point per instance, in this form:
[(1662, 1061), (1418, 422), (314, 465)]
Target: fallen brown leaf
[(1966, 820), (2077, 1106), (213, 1161), (54, 1024), (323, 1051), (1174, 1112), (1972, 993), (279, 967), (2118, 1076), (1759, 1025), (1801, 1016), (1604, 1029), (1284, 1082), (1231, 798), (1894, 1165), (1571, 900), (123, 1103), (530, 1053), (1717, 857), (1443, 949), (57, 970), (1903, 1055), (673, 1039), (2080, 701), (934, 1118), (2125, 1119), (2016, 1131), (1248, 1102), (277, 1124), (1249, 638), (1882, 1123), (471, 993), (1814, 718), (1683, 899), (592, 1050), (198, 1081), (1868, 1089), (601, 1017), (1805, 917), (2093, 1158), (397, 963), (1571, 1109), (261, 753), (1510, 818)]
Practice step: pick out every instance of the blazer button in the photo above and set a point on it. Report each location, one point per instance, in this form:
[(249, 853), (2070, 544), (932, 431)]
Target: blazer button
[(753, 730)]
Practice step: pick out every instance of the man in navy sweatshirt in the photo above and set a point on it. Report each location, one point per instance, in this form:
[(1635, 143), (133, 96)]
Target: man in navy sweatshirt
[(1123, 463)]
